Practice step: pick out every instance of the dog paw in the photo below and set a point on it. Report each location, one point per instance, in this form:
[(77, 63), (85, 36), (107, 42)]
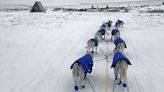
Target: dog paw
[(83, 86), (124, 85), (76, 88)]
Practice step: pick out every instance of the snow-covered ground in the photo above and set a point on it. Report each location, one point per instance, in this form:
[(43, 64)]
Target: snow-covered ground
[(37, 49)]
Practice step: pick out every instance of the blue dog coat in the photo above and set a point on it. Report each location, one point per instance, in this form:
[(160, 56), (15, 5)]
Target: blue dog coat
[(95, 41), (119, 40), (86, 62), (114, 31), (117, 57), (102, 31)]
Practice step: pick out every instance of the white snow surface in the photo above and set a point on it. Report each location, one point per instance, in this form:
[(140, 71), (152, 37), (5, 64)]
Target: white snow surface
[(37, 49)]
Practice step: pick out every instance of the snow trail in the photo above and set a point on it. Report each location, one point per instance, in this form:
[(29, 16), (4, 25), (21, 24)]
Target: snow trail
[(36, 53)]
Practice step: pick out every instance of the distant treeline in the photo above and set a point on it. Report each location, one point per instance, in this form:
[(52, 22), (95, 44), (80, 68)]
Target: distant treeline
[(97, 9)]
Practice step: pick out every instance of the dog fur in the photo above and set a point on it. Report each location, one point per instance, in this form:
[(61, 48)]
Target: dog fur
[(90, 46), (115, 36), (120, 47), (78, 75), (120, 72)]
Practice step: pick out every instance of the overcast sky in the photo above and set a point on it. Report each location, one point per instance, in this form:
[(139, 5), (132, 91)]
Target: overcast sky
[(63, 2)]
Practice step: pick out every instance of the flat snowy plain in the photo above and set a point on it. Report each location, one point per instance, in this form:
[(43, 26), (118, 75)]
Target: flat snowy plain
[(37, 49)]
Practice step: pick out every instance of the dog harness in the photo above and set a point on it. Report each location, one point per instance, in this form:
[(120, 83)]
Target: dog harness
[(117, 57), (119, 40)]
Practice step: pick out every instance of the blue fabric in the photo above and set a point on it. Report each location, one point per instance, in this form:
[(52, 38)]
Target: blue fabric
[(86, 62), (119, 40), (117, 57), (102, 31), (114, 31), (95, 41)]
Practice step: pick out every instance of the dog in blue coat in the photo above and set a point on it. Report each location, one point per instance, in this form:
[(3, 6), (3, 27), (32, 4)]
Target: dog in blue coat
[(80, 68), (119, 23), (103, 26), (120, 64), (100, 33), (115, 33), (107, 25), (120, 45), (91, 44)]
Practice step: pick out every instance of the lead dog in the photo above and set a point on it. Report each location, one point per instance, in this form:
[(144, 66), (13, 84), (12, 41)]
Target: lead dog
[(107, 25), (91, 44), (81, 67), (115, 33), (119, 23), (120, 45), (120, 64)]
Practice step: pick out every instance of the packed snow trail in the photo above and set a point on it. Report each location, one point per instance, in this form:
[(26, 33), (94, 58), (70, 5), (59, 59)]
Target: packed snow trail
[(36, 52)]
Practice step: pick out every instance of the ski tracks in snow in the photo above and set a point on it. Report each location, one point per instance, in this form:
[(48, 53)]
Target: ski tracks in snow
[(53, 71)]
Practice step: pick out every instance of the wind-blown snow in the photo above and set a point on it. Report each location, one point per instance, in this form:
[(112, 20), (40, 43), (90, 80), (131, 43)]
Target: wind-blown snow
[(37, 49)]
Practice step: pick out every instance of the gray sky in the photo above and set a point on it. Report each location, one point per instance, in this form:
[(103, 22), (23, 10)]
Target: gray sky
[(65, 2)]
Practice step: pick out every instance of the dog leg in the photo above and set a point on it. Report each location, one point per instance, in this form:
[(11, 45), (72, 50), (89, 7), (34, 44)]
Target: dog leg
[(80, 83), (124, 73)]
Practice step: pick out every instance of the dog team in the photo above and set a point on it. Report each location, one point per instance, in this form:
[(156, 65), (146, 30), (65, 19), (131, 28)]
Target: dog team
[(82, 66)]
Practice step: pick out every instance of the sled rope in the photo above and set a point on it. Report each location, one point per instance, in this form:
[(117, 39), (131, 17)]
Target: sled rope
[(100, 59), (107, 69), (102, 51), (91, 85), (107, 60), (107, 75)]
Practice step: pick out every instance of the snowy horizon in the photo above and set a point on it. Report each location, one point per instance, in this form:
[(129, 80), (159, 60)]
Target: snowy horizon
[(72, 2)]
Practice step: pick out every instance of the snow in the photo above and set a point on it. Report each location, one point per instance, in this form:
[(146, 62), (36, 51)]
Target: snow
[(37, 49)]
